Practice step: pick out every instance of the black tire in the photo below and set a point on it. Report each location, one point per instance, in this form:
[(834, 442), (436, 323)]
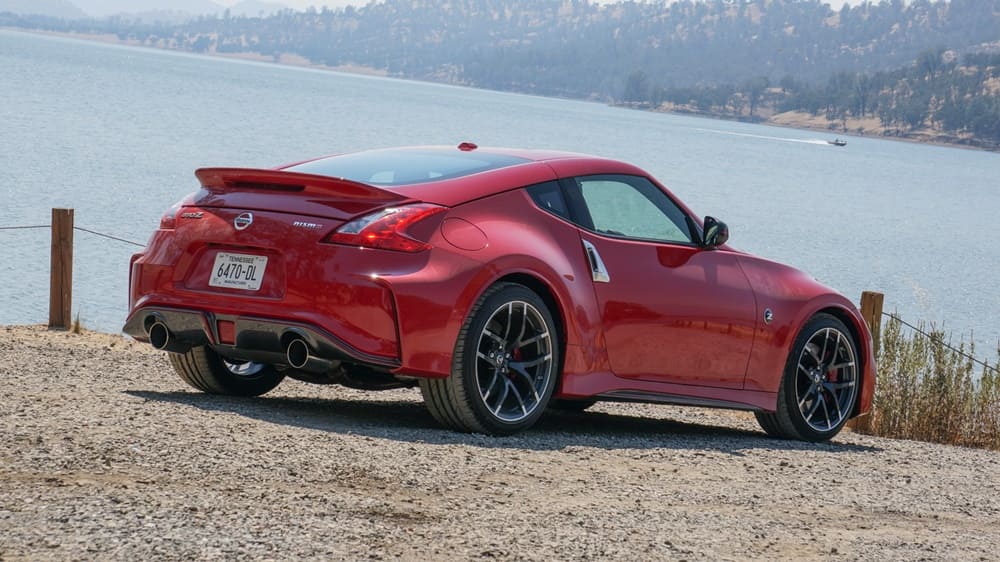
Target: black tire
[(204, 369), (820, 385), (769, 424), (518, 374), (565, 405)]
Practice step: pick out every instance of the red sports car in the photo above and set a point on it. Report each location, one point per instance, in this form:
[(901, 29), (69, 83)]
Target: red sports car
[(501, 282)]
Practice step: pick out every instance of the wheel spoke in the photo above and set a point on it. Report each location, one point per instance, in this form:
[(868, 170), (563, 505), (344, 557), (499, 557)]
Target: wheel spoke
[(838, 366), (811, 350), (815, 407), (510, 321), (826, 337), (246, 369), (517, 395), (524, 326), (489, 387), (835, 386), (840, 413), (532, 339), (503, 397), (826, 411), (837, 349), (528, 379), (532, 363), (812, 389), (494, 337)]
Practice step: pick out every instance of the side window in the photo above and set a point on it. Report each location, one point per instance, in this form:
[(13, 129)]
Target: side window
[(549, 197), (632, 207)]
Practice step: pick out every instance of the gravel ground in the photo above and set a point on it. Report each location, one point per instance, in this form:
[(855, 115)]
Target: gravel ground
[(106, 454)]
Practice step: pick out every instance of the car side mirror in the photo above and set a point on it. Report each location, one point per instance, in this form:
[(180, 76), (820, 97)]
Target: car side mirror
[(716, 233)]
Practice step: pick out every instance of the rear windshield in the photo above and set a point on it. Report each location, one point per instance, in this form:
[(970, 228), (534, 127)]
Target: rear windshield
[(405, 166)]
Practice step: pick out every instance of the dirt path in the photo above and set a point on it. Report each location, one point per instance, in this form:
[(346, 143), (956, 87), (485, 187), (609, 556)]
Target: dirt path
[(105, 454)]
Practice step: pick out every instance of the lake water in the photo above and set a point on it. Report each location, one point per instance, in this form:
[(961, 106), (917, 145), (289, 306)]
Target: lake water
[(116, 132)]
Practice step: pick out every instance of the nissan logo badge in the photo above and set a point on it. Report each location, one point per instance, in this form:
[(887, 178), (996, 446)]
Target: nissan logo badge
[(243, 221)]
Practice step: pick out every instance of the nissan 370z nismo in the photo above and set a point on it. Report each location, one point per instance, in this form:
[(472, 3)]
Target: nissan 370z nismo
[(501, 282)]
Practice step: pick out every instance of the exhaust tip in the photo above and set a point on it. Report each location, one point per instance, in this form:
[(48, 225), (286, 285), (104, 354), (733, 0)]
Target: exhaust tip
[(297, 353), (159, 335)]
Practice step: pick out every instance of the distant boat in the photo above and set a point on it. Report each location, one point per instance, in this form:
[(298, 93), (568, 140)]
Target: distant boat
[(837, 142)]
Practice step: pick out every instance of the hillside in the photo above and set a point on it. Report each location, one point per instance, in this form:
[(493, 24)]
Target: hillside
[(941, 97), (580, 49), (711, 56)]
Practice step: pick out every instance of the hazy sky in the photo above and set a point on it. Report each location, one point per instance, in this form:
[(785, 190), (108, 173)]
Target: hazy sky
[(303, 4)]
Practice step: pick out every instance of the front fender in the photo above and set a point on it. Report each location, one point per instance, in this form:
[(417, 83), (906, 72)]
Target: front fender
[(793, 298)]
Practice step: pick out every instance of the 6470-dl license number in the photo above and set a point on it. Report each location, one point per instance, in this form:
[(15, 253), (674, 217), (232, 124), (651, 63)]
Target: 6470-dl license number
[(238, 271)]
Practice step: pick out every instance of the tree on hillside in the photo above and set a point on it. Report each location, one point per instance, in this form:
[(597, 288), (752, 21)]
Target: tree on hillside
[(755, 89), (636, 87)]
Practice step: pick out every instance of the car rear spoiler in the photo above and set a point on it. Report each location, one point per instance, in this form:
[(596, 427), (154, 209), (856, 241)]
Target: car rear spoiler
[(226, 180)]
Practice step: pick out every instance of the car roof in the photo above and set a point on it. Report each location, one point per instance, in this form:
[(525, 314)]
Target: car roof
[(450, 175), (466, 152)]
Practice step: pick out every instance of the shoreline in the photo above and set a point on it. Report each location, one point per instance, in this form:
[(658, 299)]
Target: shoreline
[(791, 120), (285, 59), (797, 121)]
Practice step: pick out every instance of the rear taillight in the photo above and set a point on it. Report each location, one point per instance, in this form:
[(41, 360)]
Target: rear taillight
[(169, 219), (386, 229)]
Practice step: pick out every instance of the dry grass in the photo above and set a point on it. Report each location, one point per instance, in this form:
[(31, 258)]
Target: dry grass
[(928, 392)]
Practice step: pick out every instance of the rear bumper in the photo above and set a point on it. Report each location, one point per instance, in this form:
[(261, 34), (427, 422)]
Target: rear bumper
[(388, 310), (245, 338), (328, 288)]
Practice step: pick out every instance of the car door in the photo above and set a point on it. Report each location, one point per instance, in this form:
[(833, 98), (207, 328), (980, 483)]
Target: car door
[(672, 311)]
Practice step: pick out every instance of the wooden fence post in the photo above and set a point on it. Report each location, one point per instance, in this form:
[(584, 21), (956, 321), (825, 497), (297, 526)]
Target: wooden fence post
[(61, 280), (871, 311)]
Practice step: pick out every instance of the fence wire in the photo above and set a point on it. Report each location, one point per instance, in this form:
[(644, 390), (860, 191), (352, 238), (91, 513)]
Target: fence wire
[(936, 338), (110, 237), (80, 228)]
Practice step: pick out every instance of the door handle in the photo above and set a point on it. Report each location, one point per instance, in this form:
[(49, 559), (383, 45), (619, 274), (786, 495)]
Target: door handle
[(597, 268)]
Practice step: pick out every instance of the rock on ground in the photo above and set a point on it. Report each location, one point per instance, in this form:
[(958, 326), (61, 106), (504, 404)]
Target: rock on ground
[(106, 454)]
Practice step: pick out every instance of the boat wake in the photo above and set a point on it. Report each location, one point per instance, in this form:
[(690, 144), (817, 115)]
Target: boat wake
[(766, 137)]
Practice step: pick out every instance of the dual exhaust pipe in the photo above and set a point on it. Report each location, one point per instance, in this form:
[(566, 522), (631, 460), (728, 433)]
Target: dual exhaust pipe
[(162, 339), (299, 356), (298, 353)]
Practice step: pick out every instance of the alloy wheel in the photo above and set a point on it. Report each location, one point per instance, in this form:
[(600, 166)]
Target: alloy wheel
[(245, 369), (514, 361), (826, 379)]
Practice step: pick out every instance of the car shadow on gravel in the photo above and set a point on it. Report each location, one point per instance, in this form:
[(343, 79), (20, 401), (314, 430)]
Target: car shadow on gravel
[(409, 421)]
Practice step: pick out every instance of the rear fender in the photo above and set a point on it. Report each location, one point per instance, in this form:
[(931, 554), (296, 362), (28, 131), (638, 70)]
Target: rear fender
[(547, 248), (556, 261)]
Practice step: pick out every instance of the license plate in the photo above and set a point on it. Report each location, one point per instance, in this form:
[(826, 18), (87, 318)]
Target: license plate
[(238, 271)]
